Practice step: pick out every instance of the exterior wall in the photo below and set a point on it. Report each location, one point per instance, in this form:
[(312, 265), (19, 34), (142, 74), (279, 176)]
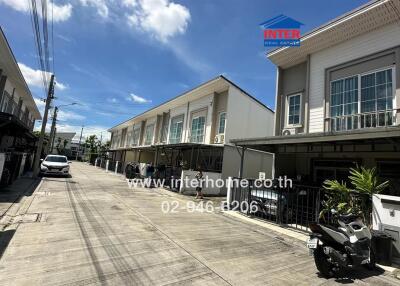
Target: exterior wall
[(254, 162), (241, 110), (293, 81), (360, 46), (246, 118), (220, 104), (191, 175)]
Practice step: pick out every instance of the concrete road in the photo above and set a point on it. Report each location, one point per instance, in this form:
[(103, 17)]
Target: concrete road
[(93, 229)]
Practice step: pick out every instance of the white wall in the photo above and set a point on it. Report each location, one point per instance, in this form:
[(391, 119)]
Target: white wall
[(363, 45), (191, 175), (246, 118), (386, 216)]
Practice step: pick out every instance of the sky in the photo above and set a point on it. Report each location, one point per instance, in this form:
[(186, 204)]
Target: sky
[(118, 58)]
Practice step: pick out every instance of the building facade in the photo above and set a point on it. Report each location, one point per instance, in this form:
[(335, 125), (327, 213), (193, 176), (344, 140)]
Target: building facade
[(18, 113), (190, 131), (338, 98)]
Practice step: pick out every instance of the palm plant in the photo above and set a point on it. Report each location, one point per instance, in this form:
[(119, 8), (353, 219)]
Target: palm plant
[(356, 200)]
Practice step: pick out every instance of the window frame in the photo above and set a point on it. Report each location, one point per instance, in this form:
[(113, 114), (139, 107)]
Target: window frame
[(145, 134), (393, 69), (288, 109), (191, 128), (219, 122), (134, 129), (170, 126), (359, 75)]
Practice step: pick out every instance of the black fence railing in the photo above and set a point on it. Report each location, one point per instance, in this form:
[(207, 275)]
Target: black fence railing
[(293, 205)]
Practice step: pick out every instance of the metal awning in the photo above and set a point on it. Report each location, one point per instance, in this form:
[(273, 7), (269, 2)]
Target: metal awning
[(328, 137), (10, 124)]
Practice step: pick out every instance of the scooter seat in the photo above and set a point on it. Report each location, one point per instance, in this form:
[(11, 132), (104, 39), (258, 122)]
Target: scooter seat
[(348, 218)]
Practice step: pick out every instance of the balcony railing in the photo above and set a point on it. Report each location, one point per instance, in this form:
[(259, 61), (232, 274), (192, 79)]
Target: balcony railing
[(382, 118), (11, 107)]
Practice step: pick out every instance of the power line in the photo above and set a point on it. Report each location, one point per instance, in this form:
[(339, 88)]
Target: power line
[(52, 34), (38, 42)]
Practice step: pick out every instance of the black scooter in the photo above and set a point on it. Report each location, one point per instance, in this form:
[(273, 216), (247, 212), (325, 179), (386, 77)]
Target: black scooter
[(347, 246)]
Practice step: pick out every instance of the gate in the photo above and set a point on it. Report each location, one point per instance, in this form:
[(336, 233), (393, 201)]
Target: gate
[(295, 206)]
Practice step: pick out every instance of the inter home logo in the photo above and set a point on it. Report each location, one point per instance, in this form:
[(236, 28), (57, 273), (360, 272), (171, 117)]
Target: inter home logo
[(281, 31)]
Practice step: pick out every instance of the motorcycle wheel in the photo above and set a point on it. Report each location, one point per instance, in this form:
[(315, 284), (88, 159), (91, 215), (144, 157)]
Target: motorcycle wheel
[(322, 263), (372, 261)]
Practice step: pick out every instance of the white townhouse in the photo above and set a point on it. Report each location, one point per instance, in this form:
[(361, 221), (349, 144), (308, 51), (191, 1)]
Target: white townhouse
[(338, 98), (18, 112), (193, 131)]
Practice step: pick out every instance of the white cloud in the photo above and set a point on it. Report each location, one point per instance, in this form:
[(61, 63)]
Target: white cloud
[(112, 100), (60, 86), (69, 115), (138, 99), (60, 12), (88, 130), (99, 5), (34, 77), (161, 18)]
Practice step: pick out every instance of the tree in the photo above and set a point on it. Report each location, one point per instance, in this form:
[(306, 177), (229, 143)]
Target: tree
[(92, 143)]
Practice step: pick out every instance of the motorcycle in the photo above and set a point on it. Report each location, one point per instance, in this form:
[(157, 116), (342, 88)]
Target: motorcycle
[(347, 246)]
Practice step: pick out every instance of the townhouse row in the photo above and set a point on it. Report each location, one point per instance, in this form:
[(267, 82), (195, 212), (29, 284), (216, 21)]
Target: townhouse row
[(192, 131), (18, 112)]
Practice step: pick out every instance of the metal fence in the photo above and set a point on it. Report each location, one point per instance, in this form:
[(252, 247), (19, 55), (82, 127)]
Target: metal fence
[(102, 163), (295, 206)]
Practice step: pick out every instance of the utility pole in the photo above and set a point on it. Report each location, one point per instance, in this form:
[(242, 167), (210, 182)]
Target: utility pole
[(54, 138), (50, 96), (52, 132), (79, 146)]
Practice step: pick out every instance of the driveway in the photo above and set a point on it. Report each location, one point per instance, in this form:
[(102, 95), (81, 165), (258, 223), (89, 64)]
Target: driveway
[(93, 229)]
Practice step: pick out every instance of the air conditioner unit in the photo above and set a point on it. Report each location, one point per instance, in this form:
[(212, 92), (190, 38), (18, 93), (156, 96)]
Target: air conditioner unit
[(289, 131), (219, 139)]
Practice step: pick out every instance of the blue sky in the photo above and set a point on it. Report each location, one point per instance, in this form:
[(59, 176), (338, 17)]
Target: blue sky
[(118, 58)]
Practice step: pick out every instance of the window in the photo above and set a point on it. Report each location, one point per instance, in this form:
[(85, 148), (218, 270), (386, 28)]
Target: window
[(148, 139), (135, 136), (123, 137), (197, 130), (344, 101), (175, 131), (362, 101), (294, 109), (4, 102), (221, 123), (376, 96)]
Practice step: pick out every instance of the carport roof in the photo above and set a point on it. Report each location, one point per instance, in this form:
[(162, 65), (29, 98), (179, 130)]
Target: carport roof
[(353, 135)]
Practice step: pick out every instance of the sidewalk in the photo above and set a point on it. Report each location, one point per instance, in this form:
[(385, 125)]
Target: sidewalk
[(14, 202)]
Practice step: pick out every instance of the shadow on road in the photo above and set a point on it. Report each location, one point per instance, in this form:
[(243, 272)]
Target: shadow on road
[(5, 238)]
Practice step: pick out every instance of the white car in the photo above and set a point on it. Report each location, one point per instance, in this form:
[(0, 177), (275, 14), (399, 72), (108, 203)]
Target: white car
[(54, 165)]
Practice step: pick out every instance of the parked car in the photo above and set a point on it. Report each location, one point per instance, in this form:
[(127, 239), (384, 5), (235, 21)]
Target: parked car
[(271, 203), (54, 165)]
